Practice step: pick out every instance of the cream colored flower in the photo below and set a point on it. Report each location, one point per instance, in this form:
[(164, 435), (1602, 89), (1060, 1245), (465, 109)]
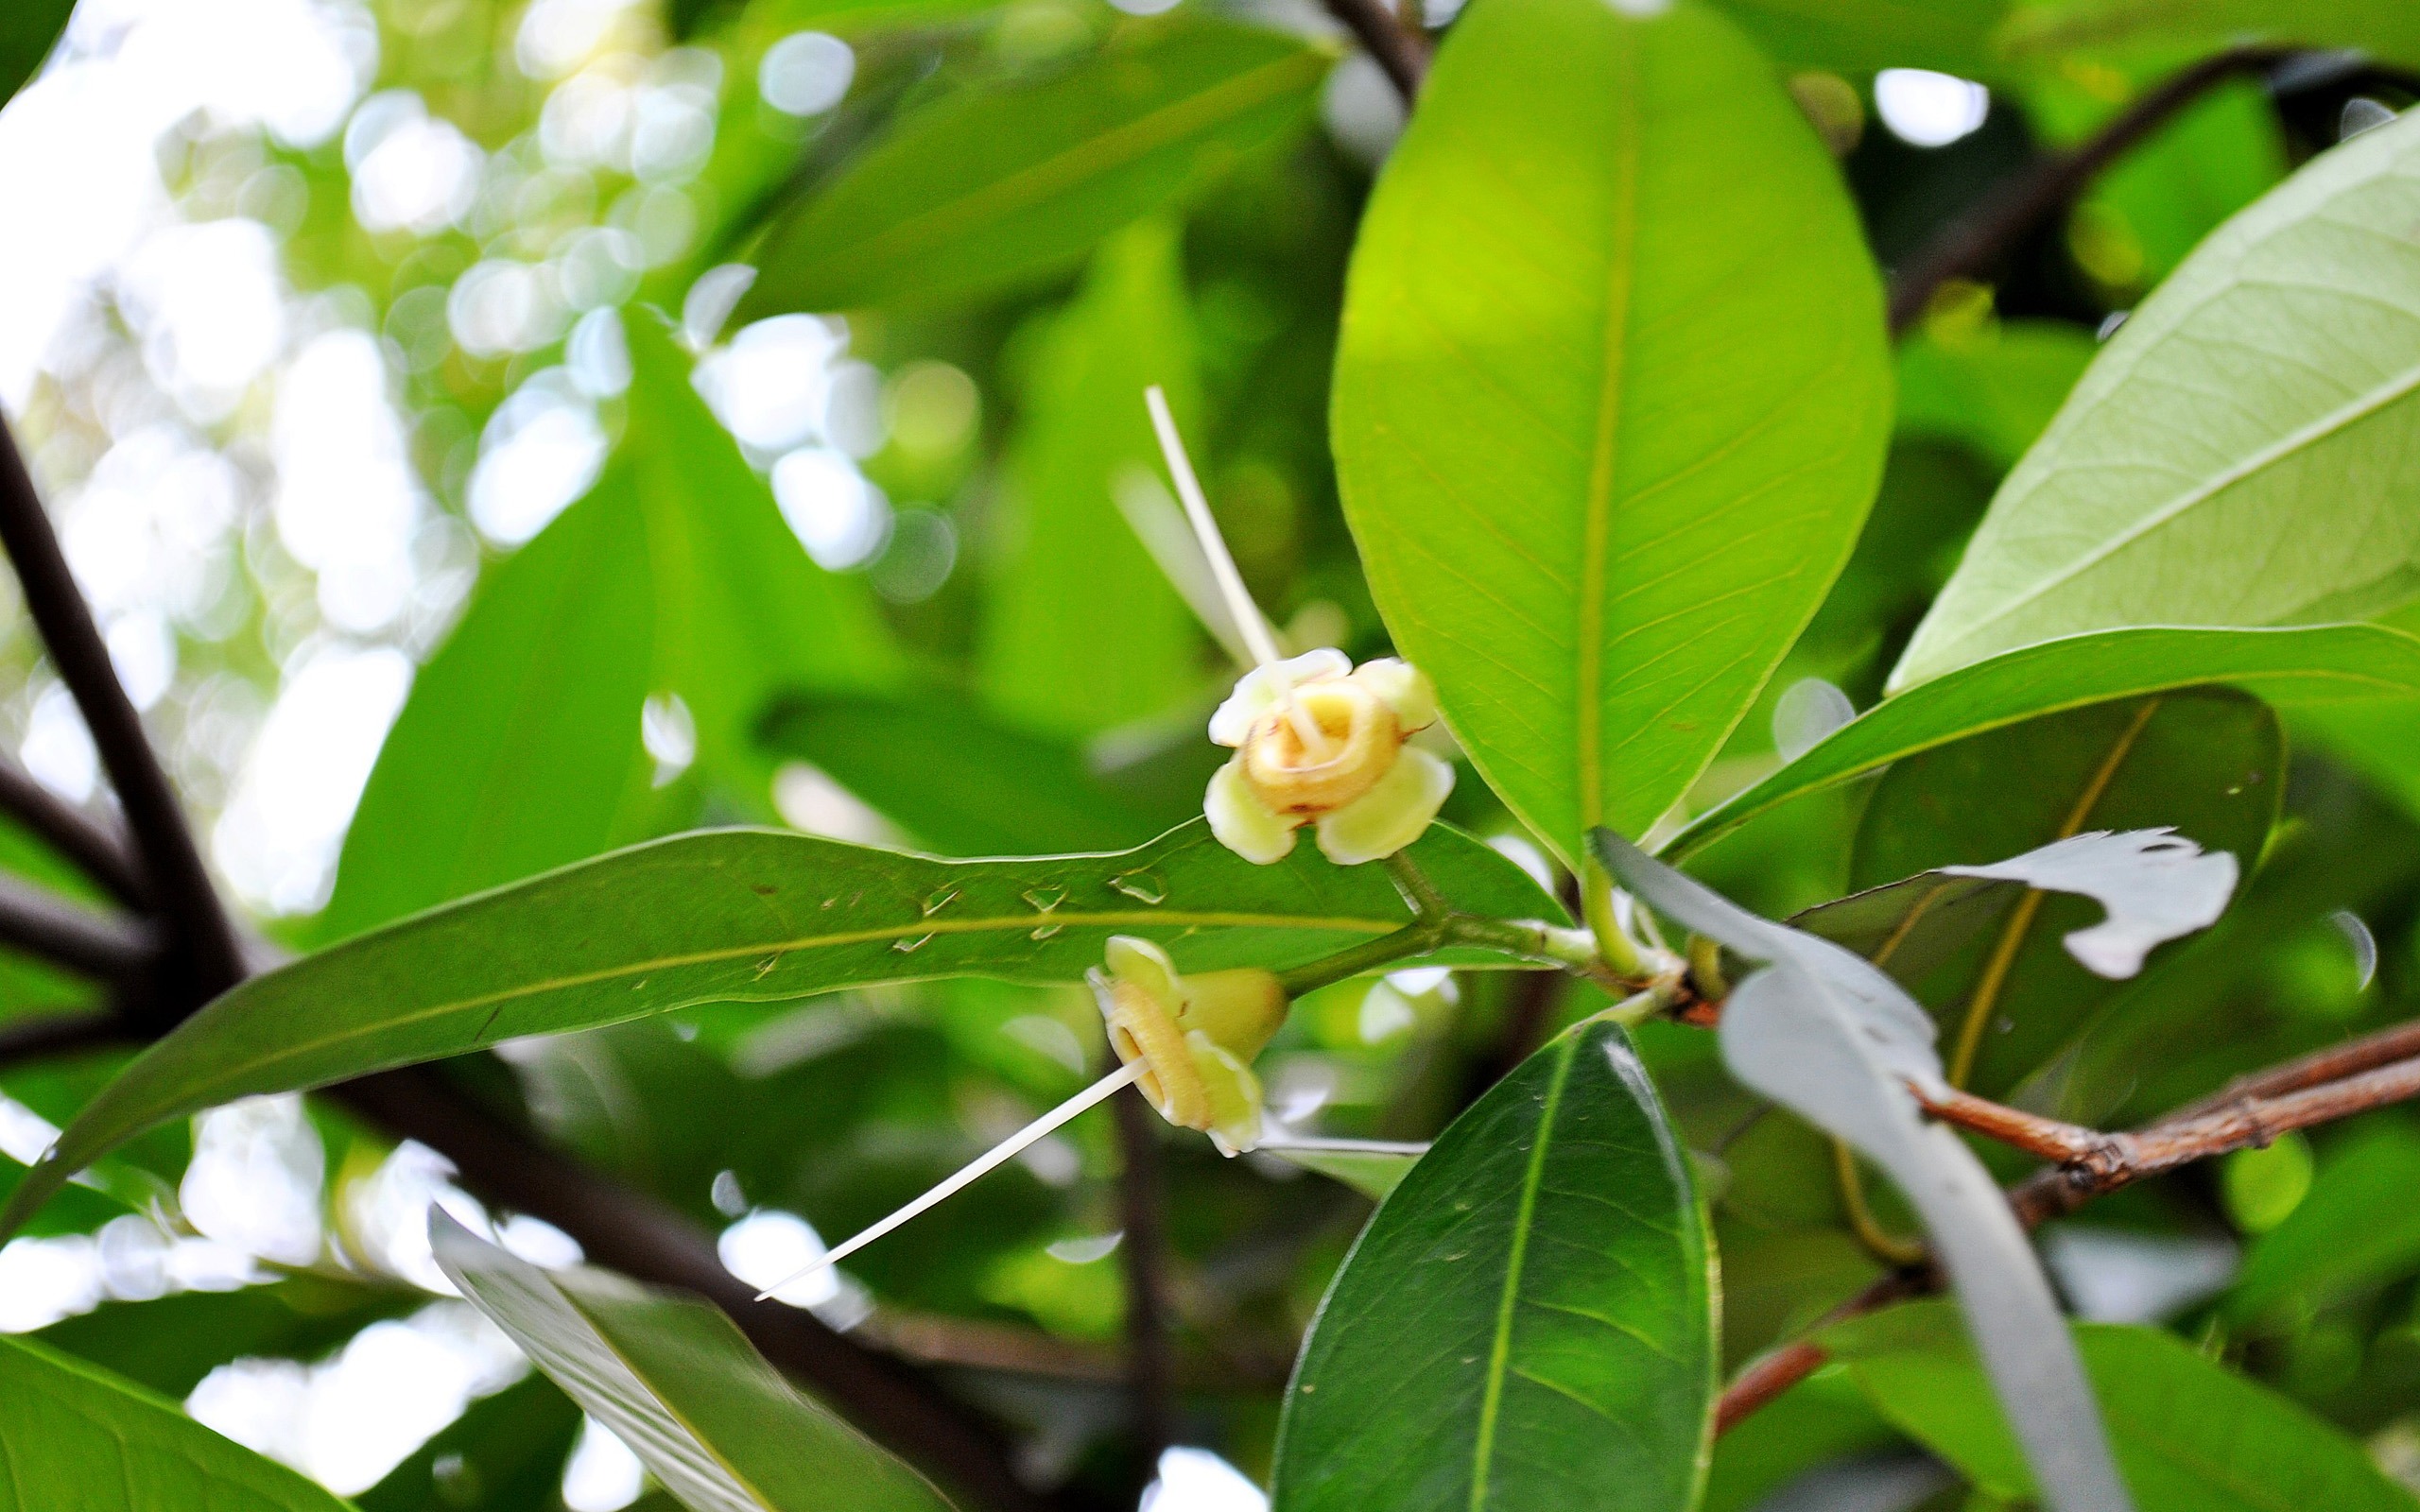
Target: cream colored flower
[(1195, 1036), (1319, 741)]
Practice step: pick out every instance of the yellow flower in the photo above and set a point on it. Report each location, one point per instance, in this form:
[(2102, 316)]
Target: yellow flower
[(1195, 1036), (1369, 794)]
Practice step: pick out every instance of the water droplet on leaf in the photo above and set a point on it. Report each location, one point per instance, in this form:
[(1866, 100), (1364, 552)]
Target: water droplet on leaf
[(1143, 886), (940, 898), (1043, 899), (904, 946)]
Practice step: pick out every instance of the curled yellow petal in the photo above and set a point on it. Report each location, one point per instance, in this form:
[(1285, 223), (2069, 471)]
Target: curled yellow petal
[(1391, 814), (1242, 822)]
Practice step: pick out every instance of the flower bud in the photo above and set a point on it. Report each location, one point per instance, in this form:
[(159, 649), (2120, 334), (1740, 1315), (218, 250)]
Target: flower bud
[(1321, 742), (1195, 1036)]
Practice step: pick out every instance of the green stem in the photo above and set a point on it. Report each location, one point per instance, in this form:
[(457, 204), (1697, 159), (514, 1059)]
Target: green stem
[(1415, 939), (1616, 948), (1421, 894)]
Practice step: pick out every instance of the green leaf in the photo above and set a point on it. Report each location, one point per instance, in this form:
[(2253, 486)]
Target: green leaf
[(1612, 397), (74, 1436), (2387, 27), (1994, 389), (2231, 457), (993, 188), (505, 1455), (1994, 969), (519, 749), (1528, 1321), (2356, 1230), (1371, 1167), (1859, 36), (936, 768), (1081, 630), (2191, 1436), (749, 916), (2333, 664), (676, 1382), (1815, 1422), (29, 31)]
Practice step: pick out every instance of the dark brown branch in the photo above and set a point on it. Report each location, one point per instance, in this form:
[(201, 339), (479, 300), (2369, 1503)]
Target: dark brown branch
[(2093, 1163), (1398, 50), (202, 942), (1971, 244), (45, 925), (94, 850), (631, 1232), (53, 1034), (2398, 1043), (1151, 1356)]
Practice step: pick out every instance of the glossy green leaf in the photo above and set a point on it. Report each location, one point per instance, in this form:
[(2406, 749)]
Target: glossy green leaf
[(29, 31), (1996, 389), (2208, 763), (2354, 1232), (2231, 457), (74, 1436), (1082, 632), (1528, 1319), (2334, 664), (936, 766), (749, 916), (2191, 1436), (676, 1382), (2387, 27), (520, 750), (1612, 397), (1859, 36), (505, 1455), (988, 188)]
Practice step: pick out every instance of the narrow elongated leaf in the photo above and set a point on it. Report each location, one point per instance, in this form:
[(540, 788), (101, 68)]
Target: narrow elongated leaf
[(676, 1383), (749, 916), (505, 1455), (936, 768), (2192, 1435), (1081, 630), (520, 749), (74, 1436), (29, 31), (1371, 1167), (994, 188), (1611, 396), (2355, 1230), (2349, 664), (2153, 500), (1829, 1036), (1541, 1274)]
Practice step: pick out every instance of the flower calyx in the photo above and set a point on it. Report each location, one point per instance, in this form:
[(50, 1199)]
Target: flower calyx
[(1319, 741), (1194, 1036)]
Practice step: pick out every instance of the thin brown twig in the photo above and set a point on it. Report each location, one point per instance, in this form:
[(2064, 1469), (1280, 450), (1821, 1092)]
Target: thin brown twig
[(104, 947), (1151, 1355), (53, 1034), (1400, 51), (2091, 1164), (92, 848), (201, 941), (1978, 239)]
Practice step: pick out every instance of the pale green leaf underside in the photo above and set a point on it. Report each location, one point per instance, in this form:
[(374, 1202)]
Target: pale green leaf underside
[(2321, 666), (1611, 398), (2240, 452), (676, 1382), (1527, 1322), (74, 1436), (749, 916)]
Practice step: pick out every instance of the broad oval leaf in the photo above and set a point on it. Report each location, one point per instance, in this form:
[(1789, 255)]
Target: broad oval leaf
[(2234, 455), (749, 916), (1528, 1321), (989, 188), (74, 1436), (676, 1383), (2349, 664), (2192, 1435), (1611, 400), (1829, 1036)]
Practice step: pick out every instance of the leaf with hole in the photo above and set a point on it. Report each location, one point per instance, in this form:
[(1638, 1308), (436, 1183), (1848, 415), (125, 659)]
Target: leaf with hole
[(755, 917), (674, 1379), (1611, 399), (2232, 455), (1544, 1271), (2350, 666), (1829, 1036)]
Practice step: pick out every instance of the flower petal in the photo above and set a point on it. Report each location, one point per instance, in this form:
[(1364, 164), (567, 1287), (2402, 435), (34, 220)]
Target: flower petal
[(1242, 822), (1263, 688), (1402, 688), (1232, 1092), (1391, 814), (1143, 963)]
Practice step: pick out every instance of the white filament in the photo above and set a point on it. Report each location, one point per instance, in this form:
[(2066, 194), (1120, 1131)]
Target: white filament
[(983, 1165)]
